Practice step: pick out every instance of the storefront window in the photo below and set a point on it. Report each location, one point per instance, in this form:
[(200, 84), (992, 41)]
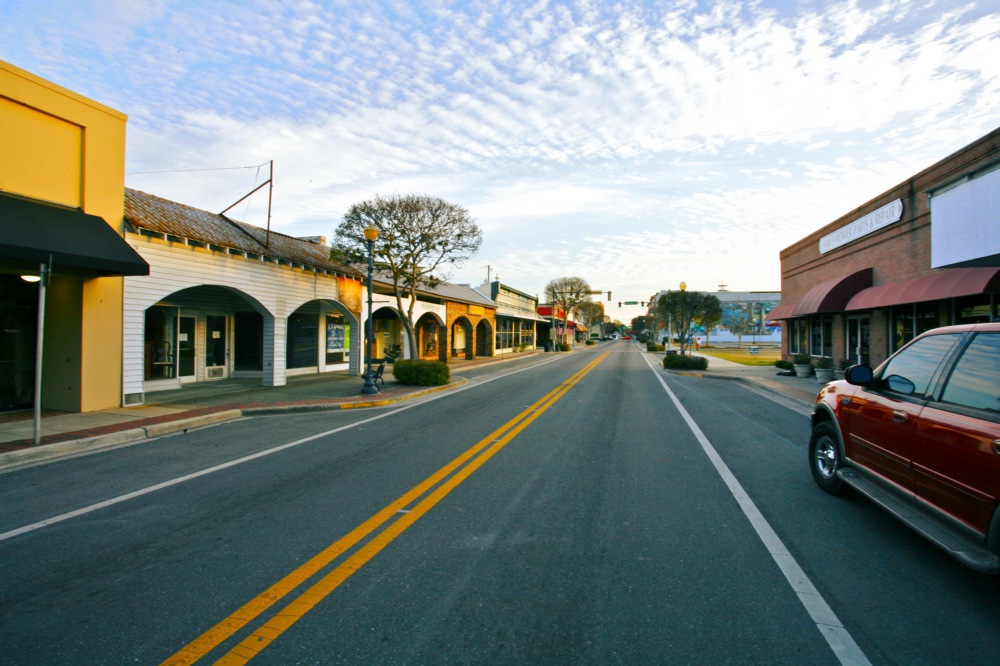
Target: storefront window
[(160, 347), (902, 326), (429, 338), (973, 309), (928, 317), (527, 335), (909, 321), (248, 341), (338, 339), (303, 334), (799, 340), (18, 333), (505, 333), (821, 343)]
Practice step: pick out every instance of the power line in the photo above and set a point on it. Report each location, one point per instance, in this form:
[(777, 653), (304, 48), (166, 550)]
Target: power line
[(140, 173)]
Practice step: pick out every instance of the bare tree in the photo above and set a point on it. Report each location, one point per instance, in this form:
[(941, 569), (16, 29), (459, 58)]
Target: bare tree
[(568, 293), (418, 236)]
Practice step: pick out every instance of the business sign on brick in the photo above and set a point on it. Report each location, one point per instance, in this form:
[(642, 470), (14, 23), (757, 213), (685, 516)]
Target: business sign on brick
[(863, 226)]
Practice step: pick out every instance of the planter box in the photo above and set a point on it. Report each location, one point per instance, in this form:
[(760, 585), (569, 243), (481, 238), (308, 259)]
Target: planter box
[(824, 375), (803, 370)]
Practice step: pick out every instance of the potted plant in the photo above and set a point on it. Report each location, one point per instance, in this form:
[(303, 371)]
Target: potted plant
[(842, 365), (824, 369), (802, 364)]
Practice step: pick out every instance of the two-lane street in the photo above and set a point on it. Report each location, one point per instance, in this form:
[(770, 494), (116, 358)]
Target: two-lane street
[(581, 508)]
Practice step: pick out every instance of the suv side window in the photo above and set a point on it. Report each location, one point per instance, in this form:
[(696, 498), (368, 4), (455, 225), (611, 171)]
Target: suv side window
[(975, 382), (911, 370)]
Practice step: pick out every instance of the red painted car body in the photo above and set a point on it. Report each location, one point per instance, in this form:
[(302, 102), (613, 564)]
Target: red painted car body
[(920, 436)]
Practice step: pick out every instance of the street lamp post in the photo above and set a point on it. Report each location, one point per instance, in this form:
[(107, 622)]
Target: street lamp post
[(371, 233), (684, 318), (45, 270)]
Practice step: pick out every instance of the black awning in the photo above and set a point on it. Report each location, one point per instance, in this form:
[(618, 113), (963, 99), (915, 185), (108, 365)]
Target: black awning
[(32, 231)]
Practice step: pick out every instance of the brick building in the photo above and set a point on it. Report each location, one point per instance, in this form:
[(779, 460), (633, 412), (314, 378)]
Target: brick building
[(924, 254)]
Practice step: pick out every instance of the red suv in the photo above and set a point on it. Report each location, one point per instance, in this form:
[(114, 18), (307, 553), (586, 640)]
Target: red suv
[(920, 436)]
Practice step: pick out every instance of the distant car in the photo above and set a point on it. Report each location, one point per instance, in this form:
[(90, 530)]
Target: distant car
[(920, 436), (626, 337)]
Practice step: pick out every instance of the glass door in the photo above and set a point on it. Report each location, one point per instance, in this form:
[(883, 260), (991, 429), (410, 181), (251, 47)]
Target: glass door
[(216, 347), (857, 340), (185, 347)]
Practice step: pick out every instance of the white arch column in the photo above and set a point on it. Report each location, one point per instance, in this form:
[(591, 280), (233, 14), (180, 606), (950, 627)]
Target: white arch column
[(275, 345)]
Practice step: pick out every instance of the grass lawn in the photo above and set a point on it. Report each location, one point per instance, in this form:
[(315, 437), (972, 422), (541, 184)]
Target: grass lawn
[(766, 356)]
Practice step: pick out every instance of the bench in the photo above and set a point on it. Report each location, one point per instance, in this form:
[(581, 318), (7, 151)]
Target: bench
[(377, 375)]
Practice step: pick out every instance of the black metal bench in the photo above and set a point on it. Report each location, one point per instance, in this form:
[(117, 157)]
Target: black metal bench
[(377, 375)]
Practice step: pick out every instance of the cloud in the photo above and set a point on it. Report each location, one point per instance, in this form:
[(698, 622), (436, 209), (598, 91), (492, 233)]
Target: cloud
[(640, 142)]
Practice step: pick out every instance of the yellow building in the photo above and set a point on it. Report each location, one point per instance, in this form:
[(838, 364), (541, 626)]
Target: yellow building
[(62, 176)]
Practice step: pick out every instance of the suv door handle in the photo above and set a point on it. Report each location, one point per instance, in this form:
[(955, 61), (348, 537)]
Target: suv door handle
[(898, 416)]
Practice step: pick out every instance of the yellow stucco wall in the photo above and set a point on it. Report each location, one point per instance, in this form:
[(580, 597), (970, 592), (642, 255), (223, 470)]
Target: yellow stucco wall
[(64, 148)]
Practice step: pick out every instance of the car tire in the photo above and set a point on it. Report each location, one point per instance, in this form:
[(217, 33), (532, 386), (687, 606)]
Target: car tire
[(825, 458)]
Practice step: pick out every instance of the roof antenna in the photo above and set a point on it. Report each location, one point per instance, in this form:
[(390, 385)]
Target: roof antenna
[(270, 195)]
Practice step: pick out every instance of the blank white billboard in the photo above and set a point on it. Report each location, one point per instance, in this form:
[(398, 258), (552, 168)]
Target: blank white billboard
[(965, 223)]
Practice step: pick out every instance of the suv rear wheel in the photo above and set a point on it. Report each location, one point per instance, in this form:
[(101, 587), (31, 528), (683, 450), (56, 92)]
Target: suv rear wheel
[(825, 459)]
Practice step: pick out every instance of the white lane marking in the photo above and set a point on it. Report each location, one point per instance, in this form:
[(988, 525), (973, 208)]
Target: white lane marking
[(836, 635), (239, 461)]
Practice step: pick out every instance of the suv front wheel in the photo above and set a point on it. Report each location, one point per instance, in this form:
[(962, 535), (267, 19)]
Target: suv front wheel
[(824, 458)]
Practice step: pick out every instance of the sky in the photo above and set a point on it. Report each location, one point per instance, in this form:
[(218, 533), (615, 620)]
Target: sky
[(632, 144)]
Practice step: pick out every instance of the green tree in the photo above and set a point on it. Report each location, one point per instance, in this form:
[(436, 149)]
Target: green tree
[(710, 314), (569, 293), (418, 236), (590, 314), (742, 322), (685, 308)]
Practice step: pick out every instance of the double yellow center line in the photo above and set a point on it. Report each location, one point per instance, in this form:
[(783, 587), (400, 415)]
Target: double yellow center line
[(436, 487)]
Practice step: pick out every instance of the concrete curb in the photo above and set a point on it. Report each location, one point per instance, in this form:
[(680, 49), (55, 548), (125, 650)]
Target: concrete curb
[(52, 452), (111, 440)]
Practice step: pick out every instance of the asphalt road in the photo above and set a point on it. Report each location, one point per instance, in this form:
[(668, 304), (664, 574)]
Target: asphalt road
[(579, 508)]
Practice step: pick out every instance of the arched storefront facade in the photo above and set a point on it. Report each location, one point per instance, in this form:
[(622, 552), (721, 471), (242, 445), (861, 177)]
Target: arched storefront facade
[(220, 303)]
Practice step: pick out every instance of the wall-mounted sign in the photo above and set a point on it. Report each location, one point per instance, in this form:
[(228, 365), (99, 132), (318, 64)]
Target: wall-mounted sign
[(337, 337), (476, 310), (863, 226)]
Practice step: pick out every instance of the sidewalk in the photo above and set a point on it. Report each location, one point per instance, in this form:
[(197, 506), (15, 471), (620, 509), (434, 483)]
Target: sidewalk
[(206, 403), (801, 390)]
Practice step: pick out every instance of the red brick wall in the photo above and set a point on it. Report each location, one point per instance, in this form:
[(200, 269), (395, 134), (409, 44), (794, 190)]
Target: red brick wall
[(897, 252)]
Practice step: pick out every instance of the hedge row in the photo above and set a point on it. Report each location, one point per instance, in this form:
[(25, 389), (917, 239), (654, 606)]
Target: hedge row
[(421, 373), (678, 362)]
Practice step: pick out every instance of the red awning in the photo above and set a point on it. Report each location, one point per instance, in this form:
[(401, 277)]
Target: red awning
[(833, 295), (944, 283), (783, 311)]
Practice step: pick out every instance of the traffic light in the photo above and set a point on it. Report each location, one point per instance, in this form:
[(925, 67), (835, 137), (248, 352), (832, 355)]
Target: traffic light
[(609, 295), (619, 303)]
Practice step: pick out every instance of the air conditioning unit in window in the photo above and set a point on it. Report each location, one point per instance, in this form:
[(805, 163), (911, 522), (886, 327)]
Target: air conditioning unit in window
[(215, 373)]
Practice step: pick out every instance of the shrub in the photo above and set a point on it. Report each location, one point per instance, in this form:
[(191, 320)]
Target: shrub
[(564, 346), (421, 373), (678, 362), (802, 359), (653, 347), (824, 362), (591, 342), (783, 364)]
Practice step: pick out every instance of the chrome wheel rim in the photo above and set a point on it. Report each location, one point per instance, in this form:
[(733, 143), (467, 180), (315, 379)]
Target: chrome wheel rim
[(826, 458)]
